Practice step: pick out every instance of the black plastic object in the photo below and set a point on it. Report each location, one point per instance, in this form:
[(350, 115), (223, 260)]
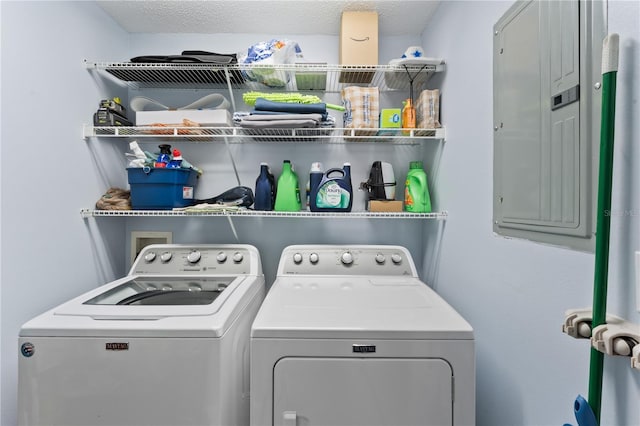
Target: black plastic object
[(241, 196), (375, 184)]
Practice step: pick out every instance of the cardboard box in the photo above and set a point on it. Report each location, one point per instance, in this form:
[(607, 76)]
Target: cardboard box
[(359, 38), (161, 188), (390, 118), (385, 206), (358, 44), (204, 117)]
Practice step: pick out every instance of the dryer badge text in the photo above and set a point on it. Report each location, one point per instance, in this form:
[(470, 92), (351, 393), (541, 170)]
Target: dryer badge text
[(116, 346), (363, 348)]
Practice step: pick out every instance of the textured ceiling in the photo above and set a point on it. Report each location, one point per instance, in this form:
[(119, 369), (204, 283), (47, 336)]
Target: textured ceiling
[(396, 17)]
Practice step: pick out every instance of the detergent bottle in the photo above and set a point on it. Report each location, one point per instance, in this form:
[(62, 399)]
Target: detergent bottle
[(334, 193), (288, 190), (265, 196), (416, 192), (408, 116), (315, 176)]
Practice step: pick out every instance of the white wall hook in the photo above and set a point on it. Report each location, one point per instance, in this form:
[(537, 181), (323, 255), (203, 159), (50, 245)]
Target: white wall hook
[(621, 339), (635, 357), (577, 322)]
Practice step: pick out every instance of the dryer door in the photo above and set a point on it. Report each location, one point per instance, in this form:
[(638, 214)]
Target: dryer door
[(363, 392)]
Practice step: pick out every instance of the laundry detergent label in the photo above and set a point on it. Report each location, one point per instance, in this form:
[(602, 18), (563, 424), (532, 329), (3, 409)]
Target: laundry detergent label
[(332, 195)]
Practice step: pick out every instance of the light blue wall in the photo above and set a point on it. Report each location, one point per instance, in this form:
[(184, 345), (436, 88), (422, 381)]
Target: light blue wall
[(515, 292), (49, 254)]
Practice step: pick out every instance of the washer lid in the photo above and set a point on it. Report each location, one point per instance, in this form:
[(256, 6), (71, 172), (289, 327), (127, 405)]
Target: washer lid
[(151, 307), (365, 307)]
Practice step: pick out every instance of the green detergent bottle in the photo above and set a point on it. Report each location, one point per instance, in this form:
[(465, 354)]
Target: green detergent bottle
[(288, 191), (416, 191)]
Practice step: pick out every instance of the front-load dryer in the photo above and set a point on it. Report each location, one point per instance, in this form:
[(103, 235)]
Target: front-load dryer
[(349, 335), (168, 344)]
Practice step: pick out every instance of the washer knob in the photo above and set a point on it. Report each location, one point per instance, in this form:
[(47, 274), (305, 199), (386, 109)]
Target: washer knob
[(237, 257), (297, 258), (346, 258), (380, 258), (396, 258), (166, 256), (194, 256), (221, 257), (150, 257), (314, 258)]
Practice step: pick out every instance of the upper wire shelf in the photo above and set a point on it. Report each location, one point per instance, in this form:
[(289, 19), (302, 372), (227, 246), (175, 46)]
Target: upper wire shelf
[(290, 77), (242, 135)]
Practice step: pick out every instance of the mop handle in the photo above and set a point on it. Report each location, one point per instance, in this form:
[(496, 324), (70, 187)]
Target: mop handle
[(609, 71)]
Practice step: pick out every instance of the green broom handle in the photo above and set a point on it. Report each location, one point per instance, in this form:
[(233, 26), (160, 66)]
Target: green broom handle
[(609, 71)]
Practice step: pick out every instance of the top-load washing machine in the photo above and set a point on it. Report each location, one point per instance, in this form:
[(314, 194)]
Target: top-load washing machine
[(349, 335), (168, 344)]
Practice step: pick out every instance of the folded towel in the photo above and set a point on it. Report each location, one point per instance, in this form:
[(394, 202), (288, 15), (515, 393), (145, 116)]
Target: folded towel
[(266, 105)]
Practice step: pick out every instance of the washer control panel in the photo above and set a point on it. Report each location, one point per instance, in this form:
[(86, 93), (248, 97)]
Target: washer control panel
[(346, 260), (179, 259)]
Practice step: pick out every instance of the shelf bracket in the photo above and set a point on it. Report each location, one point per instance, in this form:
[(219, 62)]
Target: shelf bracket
[(411, 78)]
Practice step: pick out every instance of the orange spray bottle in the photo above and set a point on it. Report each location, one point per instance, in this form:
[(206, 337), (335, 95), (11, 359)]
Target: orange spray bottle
[(408, 117)]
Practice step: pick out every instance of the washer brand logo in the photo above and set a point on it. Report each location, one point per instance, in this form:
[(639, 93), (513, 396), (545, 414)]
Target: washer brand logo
[(27, 349), (116, 346), (363, 348)]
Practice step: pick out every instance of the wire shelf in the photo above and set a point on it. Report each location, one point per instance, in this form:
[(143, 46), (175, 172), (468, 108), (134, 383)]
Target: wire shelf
[(88, 213), (297, 77), (240, 135)]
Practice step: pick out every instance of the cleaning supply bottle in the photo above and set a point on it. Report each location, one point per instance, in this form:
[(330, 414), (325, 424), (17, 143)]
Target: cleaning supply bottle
[(288, 190), (164, 157), (408, 116), (416, 191), (176, 160), (315, 176), (334, 193), (265, 195)]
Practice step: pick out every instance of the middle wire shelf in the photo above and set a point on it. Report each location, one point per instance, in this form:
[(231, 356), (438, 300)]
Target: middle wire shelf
[(242, 135), (87, 213)]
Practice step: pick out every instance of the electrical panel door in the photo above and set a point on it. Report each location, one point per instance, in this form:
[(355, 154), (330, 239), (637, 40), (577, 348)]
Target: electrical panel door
[(542, 180)]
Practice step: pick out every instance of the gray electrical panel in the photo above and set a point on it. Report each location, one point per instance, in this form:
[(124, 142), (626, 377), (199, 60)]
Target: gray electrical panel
[(543, 86)]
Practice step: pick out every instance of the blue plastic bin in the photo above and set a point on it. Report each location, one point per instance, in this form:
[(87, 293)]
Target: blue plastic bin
[(161, 189)]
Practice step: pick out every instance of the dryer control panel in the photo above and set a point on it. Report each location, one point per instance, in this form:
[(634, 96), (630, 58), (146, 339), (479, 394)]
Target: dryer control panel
[(179, 259), (347, 260)]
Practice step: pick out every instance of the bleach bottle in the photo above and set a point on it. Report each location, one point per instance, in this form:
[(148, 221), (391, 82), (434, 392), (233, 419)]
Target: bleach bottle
[(334, 193), (416, 192), (265, 195), (288, 190)]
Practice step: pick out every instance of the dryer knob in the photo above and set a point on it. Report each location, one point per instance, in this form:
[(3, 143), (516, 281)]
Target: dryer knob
[(380, 258), (221, 257), (314, 258), (237, 257), (150, 257), (194, 256), (297, 258), (166, 256), (346, 258), (396, 258)]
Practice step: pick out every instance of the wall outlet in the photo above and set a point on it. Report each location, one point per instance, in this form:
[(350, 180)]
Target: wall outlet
[(141, 239), (638, 281)]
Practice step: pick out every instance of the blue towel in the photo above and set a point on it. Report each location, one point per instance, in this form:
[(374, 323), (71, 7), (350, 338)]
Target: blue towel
[(266, 105)]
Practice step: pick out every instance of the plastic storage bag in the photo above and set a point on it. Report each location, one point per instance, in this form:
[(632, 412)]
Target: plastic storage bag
[(272, 52)]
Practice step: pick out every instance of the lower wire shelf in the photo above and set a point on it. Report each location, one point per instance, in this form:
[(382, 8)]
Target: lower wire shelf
[(88, 213)]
